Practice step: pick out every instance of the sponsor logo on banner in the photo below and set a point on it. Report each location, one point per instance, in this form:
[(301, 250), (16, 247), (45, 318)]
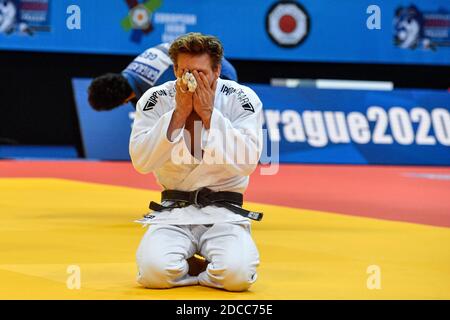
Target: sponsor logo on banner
[(175, 24), (377, 125), (415, 29), (139, 18), (287, 23), (24, 16)]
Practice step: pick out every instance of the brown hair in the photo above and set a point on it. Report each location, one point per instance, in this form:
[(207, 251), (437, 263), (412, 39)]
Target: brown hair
[(197, 43)]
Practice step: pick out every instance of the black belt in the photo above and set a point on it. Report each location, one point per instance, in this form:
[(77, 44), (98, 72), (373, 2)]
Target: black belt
[(205, 197)]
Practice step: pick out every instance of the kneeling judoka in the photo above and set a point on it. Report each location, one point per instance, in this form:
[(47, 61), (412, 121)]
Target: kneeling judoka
[(202, 137)]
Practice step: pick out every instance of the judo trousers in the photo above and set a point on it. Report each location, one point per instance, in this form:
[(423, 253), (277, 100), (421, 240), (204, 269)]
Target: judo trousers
[(228, 247)]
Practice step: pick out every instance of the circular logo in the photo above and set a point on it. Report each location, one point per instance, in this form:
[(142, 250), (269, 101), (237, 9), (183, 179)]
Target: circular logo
[(287, 23), (140, 17)]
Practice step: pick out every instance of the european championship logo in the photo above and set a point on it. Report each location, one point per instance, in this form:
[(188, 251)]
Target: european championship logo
[(139, 18)]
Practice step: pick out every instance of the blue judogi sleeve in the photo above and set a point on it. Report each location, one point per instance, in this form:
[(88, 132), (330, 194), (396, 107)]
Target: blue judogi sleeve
[(149, 69), (154, 67)]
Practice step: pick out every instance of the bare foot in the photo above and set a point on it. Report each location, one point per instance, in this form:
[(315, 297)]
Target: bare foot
[(197, 265)]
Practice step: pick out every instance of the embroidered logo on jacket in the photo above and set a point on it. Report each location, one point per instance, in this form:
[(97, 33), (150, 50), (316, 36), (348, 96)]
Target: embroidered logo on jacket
[(241, 96), (151, 102)]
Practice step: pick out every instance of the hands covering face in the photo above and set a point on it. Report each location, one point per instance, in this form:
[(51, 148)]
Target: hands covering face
[(201, 100), (204, 97)]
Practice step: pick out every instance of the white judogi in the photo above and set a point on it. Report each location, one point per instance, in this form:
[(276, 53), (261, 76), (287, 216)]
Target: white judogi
[(220, 235)]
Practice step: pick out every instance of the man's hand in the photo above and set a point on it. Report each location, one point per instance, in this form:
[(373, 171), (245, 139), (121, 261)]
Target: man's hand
[(183, 108), (183, 99), (204, 97)]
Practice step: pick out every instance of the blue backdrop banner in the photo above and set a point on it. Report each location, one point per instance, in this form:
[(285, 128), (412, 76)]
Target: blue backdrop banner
[(313, 126), (392, 31), (359, 127), (105, 135)]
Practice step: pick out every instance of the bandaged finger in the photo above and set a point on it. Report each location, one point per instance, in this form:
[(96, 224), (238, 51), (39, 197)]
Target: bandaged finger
[(189, 80)]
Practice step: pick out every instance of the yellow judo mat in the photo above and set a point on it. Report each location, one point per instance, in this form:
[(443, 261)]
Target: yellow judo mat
[(50, 226)]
